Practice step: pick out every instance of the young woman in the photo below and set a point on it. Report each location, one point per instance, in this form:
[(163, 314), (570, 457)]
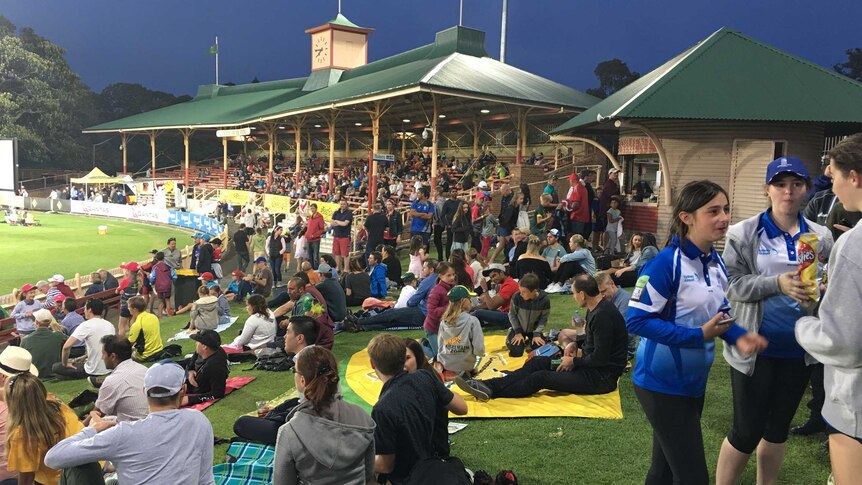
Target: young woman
[(276, 247), (508, 223), (462, 227), (834, 337), (258, 244), (765, 295), (438, 300), (678, 308), (36, 423), (533, 262), (579, 261), (393, 231), (415, 357), (325, 440), (356, 282), (463, 273), (477, 263), (642, 249), (259, 328)]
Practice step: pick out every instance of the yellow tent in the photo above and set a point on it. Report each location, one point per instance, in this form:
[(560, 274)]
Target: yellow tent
[(96, 176)]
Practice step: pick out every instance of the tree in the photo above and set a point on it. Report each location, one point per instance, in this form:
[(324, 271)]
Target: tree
[(853, 67), (613, 75)]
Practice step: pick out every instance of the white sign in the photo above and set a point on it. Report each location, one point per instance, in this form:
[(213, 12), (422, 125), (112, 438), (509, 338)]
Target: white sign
[(230, 133), (133, 212), (384, 157)]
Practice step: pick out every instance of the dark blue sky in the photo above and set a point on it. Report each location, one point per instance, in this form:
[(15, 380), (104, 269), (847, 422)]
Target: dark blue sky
[(162, 43)]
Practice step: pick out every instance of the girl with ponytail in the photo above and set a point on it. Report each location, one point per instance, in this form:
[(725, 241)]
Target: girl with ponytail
[(323, 427)]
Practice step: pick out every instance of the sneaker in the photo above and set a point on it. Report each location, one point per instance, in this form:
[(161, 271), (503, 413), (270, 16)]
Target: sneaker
[(96, 381), (111, 478), (351, 324), (86, 397), (552, 288), (810, 427), (474, 387)]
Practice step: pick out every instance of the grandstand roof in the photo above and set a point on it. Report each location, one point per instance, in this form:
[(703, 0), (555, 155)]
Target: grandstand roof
[(730, 76), (455, 64)]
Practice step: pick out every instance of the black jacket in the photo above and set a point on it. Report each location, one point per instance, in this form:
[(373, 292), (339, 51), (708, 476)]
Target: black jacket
[(211, 375), (205, 259)]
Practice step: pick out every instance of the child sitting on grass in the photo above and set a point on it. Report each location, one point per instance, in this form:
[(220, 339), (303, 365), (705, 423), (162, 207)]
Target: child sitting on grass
[(222, 305), (460, 339)]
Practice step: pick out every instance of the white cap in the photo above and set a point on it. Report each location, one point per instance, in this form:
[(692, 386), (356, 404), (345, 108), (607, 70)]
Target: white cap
[(42, 315), (168, 376), (57, 278), (483, 184)]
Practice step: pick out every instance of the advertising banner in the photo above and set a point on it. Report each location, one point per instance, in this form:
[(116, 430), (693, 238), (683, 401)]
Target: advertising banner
[(236, 197), (195, 222), (277, 203), (326, 209)]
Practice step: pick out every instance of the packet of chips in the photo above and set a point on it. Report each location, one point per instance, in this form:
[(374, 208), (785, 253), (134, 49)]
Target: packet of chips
[(806, 254)]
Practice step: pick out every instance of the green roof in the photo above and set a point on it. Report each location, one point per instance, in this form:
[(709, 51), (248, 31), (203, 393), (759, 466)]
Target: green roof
[(730, 76), (456, 61), (342, 20)]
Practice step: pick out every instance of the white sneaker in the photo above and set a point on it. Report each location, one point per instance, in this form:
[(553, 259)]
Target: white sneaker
[(552, 288)]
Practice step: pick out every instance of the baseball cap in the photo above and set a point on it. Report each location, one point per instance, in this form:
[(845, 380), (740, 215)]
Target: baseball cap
[(237, 272), (43, 315), (57, 278), (167, 376), (613, 170), (324, 268), (60, 297), (206, 276), (210, 338), (27, 287), (408, 277), (211, 284), (216, 241), (260, 259), (554, 232), (131, 266), (197, 235), (14, 360), (574, 177), (482, 184), (205, 237), (782, 165), (494, 267), (460, 292)]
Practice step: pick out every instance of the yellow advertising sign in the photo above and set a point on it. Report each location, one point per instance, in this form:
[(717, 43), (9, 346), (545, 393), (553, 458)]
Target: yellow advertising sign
[(276, 203), (235, 197), (326, 209)]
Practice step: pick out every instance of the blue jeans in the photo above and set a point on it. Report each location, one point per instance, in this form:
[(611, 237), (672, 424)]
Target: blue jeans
[(492, 318), (432, 347), (314, 253), (275, 266), (395, 317)]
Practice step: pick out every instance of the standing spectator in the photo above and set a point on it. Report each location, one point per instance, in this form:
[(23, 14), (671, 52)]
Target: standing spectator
[(508, 220), (23, 311), (314, 231), (145, 333), (122, 394), (206, 257), (170, 445), (395, 226), (375, 225), (438, 300), (588, 178), (461, 227), (90, 332), (577, 207), (610, 189), (207, 370), (162, 277), (240, 242), (173, 255), (44, 344), (276, 246), (422, 212), (129, 287), (258, 243), (325, 440), (613, 224), (342, 221)]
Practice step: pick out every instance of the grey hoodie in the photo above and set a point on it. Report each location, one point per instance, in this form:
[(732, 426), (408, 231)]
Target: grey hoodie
[(835, 337), (460, 343), (205, 313), (334, 447)]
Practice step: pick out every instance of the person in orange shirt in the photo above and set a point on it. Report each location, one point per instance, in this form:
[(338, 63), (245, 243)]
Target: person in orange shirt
[(313, 276)]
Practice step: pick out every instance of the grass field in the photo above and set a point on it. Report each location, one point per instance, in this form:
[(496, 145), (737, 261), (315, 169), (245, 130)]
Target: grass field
[(69, 244), (539, 450)]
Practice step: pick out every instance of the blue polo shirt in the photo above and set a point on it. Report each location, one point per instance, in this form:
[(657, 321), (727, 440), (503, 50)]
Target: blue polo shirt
[(342, 215), (776, 254), (417, 224)]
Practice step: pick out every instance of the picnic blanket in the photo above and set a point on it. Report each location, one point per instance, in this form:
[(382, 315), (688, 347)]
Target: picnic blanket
[(184, 334), (232, 384), (363, 383), (251, 464)]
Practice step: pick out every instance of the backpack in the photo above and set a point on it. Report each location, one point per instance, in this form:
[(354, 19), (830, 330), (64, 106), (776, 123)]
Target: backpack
[(434, 471), (277, 361)]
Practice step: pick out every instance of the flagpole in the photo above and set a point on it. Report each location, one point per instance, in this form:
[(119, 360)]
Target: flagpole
[(216, 66), (461, 14)]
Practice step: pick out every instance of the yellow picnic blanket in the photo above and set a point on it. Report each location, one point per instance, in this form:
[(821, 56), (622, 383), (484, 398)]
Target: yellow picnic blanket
[(363, 382)]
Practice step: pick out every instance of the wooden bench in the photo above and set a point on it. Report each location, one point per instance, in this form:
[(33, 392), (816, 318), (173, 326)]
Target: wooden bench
[(109, 297)]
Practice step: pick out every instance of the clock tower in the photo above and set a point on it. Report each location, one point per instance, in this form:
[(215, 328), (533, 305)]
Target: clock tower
[(339, 45)]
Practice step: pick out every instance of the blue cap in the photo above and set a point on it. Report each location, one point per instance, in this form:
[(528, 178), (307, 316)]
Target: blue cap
[(789, 165), (205, 237), (197, 235), (260, 259)]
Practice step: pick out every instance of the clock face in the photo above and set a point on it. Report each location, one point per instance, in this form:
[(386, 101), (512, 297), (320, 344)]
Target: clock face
[(320, 50)]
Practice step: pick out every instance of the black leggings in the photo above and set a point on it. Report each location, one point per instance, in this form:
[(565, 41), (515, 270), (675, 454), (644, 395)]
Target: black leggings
[(677, 440), (627, 280), (567, 271), (257, 430), (765, 402), (539, 373)]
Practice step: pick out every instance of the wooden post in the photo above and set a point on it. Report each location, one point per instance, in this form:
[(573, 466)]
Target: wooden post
[(125, 155), (371, 182), (476, 127), (523, 137), (308, 140), (331, 122), (434, 145), (224, 157), (403, 145), (347, 145), (375, 133), (153, 153), (298, 138), (518, 140), (186, 134), (556, 157), (272, 134)]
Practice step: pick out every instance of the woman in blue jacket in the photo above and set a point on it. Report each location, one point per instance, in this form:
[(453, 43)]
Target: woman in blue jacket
[(678, 307)]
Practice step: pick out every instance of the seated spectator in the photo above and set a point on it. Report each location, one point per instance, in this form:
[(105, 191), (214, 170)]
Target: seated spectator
[(70, 322), (313, 275), (476, 263), (130, 286), (463, 273), (306, 300), (528, 314), (620, 298), (204, 311), (579, 261), (591, 369), (377, 275), (333, 293), (23, 311), (392, 265), (494, 310), (222, 305), (301, 333), (459, 338), (413, 315), (96, 285), (170, 445), (90, 332), (326, 439), (356, 282), (145, 334), (13, 361), (44, 344), (121, 395), (642, 249), (415, 359), (410, 284), (411, 413), (207, 370), (37, 421), (58, 310), (261, 278), (259, 328), (532, 262), (109, 282), (238, 288)]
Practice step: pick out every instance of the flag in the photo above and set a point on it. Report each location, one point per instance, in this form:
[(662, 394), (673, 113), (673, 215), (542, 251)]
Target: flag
[(213, 49)]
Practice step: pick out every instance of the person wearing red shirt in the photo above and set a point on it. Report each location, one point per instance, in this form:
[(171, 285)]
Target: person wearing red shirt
[(577, 204), (314, 231), (494, 310)]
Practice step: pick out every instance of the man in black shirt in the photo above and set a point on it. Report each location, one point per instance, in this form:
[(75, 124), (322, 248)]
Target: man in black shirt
[(592, 369), (411, 413), (207, 370), (376, 224), (333, 293), (240, 241)]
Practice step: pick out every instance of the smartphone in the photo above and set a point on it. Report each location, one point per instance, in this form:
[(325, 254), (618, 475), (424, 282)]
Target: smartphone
[(727, 321)]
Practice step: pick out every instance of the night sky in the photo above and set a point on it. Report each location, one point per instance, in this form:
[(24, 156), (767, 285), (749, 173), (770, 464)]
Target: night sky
[(162, 43)]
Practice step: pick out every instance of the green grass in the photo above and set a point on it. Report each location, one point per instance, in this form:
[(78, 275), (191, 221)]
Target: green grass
[(539, 450), (69, 244)]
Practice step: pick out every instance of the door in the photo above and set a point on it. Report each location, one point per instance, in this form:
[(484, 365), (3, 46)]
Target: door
[(748, 177)]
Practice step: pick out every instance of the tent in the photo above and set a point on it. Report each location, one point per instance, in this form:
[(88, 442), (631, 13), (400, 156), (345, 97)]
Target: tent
[(96, 176)]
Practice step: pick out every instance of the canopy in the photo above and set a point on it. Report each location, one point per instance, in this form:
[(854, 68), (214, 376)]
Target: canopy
[(96, 176)]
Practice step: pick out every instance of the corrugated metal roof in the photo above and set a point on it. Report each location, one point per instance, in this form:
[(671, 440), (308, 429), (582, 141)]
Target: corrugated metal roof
[(730, 76), (342, 20), (456, 61)]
